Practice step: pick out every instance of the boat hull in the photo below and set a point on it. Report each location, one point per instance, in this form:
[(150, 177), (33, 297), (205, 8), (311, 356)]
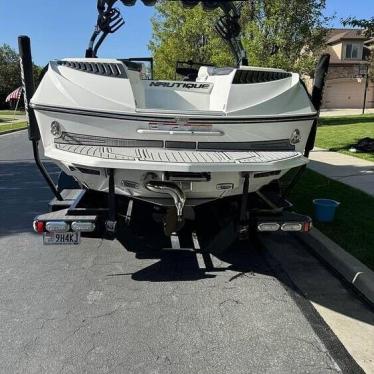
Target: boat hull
[(204, 136), (202, 165)]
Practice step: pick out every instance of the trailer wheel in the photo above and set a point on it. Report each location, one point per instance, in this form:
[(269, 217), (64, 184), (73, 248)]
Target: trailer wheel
[(67, 182)]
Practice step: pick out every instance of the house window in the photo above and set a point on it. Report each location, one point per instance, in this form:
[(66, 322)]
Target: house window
[(351, 51)]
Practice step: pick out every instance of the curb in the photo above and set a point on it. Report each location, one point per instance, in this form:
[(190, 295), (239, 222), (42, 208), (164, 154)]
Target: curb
[(351, 269), (14, 130)]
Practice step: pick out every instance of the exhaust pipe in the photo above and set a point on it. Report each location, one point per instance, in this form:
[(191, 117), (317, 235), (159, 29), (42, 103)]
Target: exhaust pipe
[(172, 190)]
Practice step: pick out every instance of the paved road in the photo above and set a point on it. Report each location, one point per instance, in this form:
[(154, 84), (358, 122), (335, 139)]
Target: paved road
[(99, 308)]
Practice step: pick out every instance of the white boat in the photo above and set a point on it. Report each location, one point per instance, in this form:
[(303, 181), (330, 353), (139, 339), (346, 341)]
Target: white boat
[(196, 139)]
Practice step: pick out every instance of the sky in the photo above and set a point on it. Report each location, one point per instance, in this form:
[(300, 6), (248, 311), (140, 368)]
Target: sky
[(62, 28)]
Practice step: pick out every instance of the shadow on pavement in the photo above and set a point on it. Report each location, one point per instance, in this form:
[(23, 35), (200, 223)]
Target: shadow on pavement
[(242, 257), (23, 195)]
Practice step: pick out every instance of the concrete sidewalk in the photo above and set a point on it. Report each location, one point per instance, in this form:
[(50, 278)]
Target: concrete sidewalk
[(344, 112), (350, 170)]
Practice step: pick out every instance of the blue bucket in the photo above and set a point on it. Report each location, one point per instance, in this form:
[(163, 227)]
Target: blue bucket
[(324, 209)]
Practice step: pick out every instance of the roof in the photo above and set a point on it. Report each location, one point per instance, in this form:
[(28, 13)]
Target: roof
[(348, 62), (336, 35)]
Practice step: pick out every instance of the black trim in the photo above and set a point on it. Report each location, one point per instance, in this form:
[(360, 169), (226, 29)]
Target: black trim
[(90, 140), (180, 145), (266, 174), (88, 171), (317, 94), (98, 68), (258, 76), (268, 145), (191, 119), (176, 176), (79, 139)]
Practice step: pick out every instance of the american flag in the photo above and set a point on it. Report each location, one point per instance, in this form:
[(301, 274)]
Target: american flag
[(15, 95)]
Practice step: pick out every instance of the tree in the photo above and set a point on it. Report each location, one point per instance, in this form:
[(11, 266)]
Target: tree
[(176, 35), (10, 72), (366, 24), (293, 28)]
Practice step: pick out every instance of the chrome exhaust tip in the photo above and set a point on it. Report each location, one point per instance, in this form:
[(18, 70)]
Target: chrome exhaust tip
[(172, 190)]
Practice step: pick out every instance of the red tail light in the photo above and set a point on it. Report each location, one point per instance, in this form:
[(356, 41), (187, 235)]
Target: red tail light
[(39, 226), (307, 226)]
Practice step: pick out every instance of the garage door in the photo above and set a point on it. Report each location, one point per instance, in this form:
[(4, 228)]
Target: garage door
[(344, 94)]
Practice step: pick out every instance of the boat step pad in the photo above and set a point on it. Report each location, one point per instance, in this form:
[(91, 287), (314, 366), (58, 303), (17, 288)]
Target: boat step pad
[(178, 156)]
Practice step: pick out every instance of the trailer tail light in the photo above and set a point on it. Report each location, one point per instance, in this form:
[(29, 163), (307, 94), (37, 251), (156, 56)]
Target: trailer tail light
[(38, 226), (83, 226), (307, 226), (57, 226), (287, 222), (292, 226), (268, 226)]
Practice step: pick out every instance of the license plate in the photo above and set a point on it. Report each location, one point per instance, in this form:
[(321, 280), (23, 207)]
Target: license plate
[(63, 238)]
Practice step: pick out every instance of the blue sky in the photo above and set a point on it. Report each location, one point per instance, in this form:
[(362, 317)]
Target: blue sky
[(61, 28)]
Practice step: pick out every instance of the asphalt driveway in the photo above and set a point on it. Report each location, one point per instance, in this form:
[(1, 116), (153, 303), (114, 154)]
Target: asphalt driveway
[(98, 308)]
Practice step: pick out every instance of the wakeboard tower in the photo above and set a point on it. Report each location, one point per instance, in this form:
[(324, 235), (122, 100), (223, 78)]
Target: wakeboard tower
[(217, 137)]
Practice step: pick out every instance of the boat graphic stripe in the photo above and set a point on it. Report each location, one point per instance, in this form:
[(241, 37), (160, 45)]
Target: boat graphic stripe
[(161, 119)]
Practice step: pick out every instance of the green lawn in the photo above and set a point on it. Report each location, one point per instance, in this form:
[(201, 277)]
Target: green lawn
[(10, 112), (14, 126), (353, 228), (339, 133), (5, 119)]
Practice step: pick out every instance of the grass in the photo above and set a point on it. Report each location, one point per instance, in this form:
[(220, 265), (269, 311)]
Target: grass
[(339, 133), (13, 126), (353, 228), (10, 112)]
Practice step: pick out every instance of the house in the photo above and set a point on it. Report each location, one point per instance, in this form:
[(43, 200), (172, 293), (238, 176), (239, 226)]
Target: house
[(346, 80)]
